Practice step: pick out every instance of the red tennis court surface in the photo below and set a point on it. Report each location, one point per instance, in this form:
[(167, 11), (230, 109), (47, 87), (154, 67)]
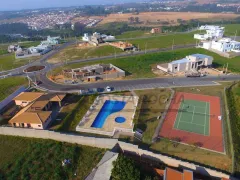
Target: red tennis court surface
[(215, 139)]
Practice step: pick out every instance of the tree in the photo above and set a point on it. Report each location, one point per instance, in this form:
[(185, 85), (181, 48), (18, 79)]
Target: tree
[(131, 19), (125, 168), (137, 19), (78, 28)]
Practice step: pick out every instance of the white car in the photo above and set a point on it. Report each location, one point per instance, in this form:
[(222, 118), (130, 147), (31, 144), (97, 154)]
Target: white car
[(108, 89)]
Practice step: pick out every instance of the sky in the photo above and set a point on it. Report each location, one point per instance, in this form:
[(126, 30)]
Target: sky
[(6, 5)]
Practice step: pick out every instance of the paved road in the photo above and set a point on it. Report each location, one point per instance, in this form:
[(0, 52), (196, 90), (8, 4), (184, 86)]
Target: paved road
[(138, 83)]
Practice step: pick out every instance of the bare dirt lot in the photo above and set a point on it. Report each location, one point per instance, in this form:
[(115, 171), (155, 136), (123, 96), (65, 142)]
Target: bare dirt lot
[(170, 17)]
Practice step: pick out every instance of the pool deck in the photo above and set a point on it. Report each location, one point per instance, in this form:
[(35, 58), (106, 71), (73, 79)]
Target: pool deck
[(110, 125)]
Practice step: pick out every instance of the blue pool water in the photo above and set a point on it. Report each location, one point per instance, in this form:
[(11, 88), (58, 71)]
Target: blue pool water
[(108, 108), (120, 119)]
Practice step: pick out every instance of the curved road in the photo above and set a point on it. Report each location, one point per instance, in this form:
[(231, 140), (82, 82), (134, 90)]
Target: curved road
[(137, 83)]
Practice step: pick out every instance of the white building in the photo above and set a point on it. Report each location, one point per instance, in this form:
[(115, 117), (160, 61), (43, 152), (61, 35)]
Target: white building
[(51, 41), (223, 45), (39, 49), (212, 32), (86, 37), (191, 62)]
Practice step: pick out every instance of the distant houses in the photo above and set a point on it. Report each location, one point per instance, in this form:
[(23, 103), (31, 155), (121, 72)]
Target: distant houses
[(215, 41), (97, 38), (222, 45), (43, 48), (155, 30), (212, 32), (190, 63)]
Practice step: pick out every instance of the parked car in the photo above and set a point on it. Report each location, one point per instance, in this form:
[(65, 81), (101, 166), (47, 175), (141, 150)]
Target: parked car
[(108, 89), (38, 82)]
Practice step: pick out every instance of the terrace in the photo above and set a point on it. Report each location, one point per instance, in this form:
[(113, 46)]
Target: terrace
[(103, 115)]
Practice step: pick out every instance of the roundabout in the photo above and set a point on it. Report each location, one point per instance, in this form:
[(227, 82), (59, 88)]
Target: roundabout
[(33, 69)]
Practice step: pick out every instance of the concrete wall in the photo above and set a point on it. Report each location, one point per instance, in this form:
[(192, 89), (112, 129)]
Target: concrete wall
[(9, 99), (27, 56), (162, 68), (109, 143)]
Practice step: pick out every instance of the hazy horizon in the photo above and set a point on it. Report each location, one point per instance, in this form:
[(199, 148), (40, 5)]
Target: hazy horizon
[(37, 4)]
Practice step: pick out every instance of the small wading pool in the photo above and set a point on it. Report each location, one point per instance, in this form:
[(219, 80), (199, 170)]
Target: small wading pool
[(108, 108), (120, 119)]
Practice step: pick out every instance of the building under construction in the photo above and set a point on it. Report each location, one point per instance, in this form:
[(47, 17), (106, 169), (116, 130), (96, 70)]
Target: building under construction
[(125, 46), (94, 73)]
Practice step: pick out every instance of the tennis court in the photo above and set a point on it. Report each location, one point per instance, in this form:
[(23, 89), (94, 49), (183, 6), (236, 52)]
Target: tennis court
[(193, 116)]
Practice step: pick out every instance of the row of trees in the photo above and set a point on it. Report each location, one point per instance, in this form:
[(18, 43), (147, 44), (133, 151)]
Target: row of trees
[(126, 168), (235, 124)]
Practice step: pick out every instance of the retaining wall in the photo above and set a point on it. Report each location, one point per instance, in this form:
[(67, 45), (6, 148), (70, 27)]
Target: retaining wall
[(109, 143), (6, 101)]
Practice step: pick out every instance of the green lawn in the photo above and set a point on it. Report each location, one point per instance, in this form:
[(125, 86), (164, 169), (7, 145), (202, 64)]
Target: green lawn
[(133, 34), (8, 62), (70, 122), (152, 103), (156, 42), (3, 49), (140, 66), (28, 44), (73, 53), (230, 29), (27, 158), (9, 85)]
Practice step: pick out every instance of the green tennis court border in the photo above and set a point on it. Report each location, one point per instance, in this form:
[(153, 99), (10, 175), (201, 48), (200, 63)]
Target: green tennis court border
[(193, 116)]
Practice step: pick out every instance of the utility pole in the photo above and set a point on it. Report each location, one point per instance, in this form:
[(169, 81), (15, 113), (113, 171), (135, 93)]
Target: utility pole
[(226, 69), (173, 45), (115, 55), (145, 48), (235, 35)]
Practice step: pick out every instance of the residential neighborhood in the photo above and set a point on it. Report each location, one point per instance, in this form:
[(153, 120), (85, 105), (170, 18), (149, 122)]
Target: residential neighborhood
[(120, 90)]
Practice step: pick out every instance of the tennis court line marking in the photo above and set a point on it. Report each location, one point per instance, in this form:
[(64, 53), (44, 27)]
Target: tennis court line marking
[(205, 118), (193, 113), (192, 123), (180, 115), (209, 120)]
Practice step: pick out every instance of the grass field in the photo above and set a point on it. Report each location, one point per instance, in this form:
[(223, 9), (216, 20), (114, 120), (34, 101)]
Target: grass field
[(231, 29), (9, 85), (156, 42), (141, 66), (73, 53), (151, 105), (133, 34), (195, 154), (25, 158), (70, 122), (3, 49), (28, 44), (8, 62)]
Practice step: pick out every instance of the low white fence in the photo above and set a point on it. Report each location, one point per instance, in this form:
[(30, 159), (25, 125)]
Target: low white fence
[(110, 143)]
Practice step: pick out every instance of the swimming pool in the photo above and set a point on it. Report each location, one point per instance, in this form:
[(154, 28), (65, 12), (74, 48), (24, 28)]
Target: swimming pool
[(108, 108)]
